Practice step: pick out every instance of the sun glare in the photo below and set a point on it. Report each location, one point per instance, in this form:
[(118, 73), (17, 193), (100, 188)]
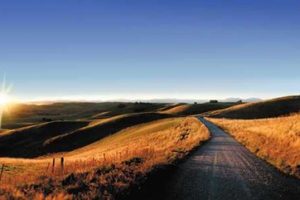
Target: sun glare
[(4, 99)]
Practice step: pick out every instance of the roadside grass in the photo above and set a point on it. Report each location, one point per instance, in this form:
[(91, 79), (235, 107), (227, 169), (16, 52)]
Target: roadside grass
[(276, 140), (106, 169)]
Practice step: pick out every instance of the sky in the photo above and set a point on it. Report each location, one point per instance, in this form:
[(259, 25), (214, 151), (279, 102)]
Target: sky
[(150, 49)]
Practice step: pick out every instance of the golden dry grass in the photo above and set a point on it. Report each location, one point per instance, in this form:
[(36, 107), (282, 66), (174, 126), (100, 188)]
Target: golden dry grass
[(195, 109), (20, 115), (61, 136), (177, 109), (276, 140), (107, 168), (264, 109), (98, 130)]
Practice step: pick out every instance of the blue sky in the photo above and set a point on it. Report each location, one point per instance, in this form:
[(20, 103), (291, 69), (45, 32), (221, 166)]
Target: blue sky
[(139, 49)]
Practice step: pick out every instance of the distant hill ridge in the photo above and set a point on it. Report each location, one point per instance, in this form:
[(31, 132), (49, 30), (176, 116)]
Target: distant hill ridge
[(263, 109)]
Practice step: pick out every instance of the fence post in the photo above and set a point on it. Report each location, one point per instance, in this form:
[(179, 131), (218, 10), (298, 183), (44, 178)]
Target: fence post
[(53, 165), (48, 167), (62, 161), (1, 172)]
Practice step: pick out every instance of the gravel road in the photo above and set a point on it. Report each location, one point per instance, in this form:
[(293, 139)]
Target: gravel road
[(222, 169)]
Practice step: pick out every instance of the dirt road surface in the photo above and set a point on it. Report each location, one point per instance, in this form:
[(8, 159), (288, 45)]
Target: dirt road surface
[(222, 169)]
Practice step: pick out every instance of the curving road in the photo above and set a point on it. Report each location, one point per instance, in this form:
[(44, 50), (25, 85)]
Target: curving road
[(222, 169)]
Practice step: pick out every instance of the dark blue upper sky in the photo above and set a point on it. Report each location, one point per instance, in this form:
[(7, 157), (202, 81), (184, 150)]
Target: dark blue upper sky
[(150, 48)]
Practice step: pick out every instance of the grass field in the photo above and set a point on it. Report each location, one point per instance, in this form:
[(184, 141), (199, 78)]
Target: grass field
[(20, 115), (29, 141), (107, 168), (264, 109), (276, 140), (110, 148), (59, 136), (194, 109)]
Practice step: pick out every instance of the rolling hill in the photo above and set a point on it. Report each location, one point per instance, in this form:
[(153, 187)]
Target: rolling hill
[(194, 109), (20, 115), (58, 136), (68, 126), (28, 141), (141, 136), (97, 131), (264, 109), (108, 168)]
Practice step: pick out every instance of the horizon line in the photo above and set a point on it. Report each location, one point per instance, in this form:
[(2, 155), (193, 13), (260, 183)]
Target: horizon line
[(133, 98), (156, 100)]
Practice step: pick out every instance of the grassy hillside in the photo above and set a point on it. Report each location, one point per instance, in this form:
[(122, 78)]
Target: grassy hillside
[(194, 109), (79, 124), (21, 115), (60, 136), (108, 168), (176, 109), (29, 141), (173, 130), (265, 109), (276, 140), (98, 130)]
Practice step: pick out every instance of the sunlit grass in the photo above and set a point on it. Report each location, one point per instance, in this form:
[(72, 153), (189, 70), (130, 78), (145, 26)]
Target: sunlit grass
[(276, 140), (113, 164)]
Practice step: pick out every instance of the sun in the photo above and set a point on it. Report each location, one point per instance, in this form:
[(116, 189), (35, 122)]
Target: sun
[(4, 99)]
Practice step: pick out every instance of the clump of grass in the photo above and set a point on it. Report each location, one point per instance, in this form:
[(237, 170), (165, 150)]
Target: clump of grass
[(276, 140), (108, 169)]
